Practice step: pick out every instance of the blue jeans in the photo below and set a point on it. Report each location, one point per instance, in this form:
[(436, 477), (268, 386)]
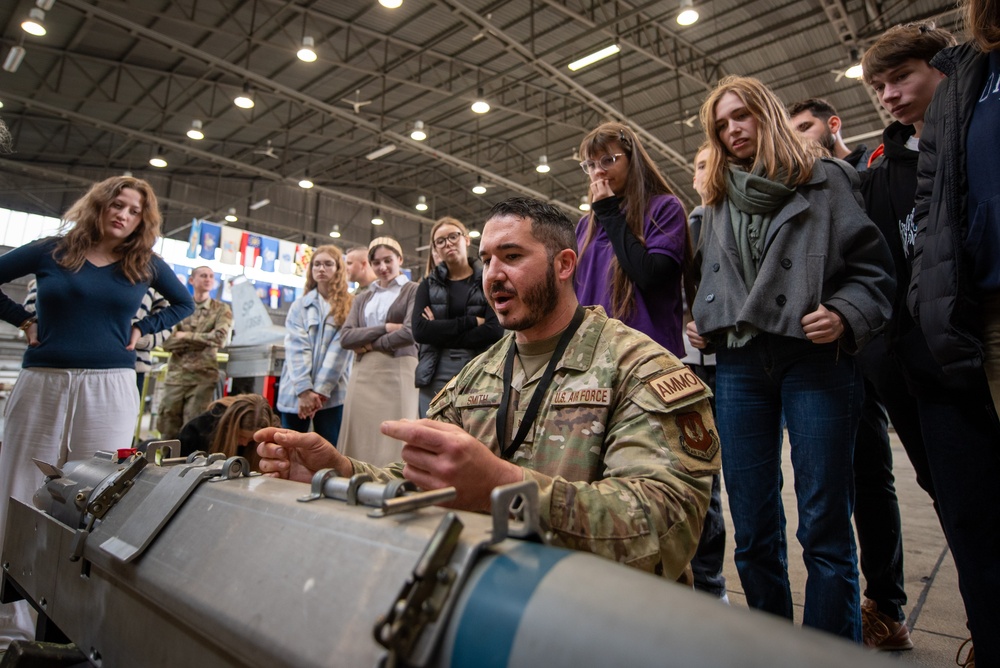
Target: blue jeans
[(819, 390), (326, 422)]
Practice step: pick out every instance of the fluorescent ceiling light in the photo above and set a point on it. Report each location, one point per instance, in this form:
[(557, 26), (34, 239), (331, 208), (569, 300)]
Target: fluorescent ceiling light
[(35, 23), (418, 134), (584, 204), (474, 233), (231, 216), (259, 204), (306, 183), (195, 131), (335, 232), (14, 58), (158, 161), (421, 203), (390, 4), (377, 218), (379, 152), (307, 54), (480, 106), (688, 14), (479, 188), (543, 165), (244, 100), (594, 57)]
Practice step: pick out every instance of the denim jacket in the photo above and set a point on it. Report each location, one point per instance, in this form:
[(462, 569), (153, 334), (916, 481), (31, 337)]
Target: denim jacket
[(314, 359)]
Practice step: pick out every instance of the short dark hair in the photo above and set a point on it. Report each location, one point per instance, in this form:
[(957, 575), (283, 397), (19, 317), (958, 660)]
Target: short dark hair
[(817, 106), (548, 224), (921, 40)]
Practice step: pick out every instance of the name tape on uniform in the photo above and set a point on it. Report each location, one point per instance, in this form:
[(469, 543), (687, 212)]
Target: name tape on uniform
[(482, 399)]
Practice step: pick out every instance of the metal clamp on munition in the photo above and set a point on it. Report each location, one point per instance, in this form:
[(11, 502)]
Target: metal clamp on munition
[(395, 496)]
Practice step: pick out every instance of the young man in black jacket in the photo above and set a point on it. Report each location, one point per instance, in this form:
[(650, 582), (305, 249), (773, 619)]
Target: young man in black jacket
[(898, 67), (955, 295)]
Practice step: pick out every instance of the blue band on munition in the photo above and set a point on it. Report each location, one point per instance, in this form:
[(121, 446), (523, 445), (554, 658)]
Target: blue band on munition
[(494, 609)]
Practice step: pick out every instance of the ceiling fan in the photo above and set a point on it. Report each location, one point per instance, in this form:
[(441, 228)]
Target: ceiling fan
[(357, 102), (689, 121), (266, 151)]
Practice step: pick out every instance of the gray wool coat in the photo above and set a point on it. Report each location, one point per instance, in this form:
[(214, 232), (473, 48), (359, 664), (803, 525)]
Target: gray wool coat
[(820, 248)]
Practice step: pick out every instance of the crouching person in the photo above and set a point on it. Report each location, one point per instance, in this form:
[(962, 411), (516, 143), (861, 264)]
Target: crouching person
[(616, 432)]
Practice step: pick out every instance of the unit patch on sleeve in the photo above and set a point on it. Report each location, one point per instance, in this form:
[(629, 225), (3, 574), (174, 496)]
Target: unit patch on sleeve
[(696, 439), (676, 385)]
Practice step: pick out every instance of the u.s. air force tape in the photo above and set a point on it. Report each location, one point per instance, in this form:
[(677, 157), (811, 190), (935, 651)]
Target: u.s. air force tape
[(676, 385)]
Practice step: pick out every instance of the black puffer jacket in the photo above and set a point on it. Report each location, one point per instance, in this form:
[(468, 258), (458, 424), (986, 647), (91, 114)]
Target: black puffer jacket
[(464, 332), (943, 298)]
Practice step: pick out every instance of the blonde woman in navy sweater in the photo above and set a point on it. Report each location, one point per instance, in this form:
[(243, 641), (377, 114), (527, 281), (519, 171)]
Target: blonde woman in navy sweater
[(75, 393)]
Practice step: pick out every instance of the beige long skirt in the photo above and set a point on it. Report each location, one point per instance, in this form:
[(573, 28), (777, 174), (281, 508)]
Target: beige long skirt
[(381, 388)]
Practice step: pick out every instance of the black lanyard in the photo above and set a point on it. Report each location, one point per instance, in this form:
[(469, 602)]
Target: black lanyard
[(506, 452)]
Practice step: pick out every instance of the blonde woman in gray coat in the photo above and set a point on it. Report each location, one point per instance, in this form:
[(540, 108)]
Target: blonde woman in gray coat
[(378, 331), (794, 279)]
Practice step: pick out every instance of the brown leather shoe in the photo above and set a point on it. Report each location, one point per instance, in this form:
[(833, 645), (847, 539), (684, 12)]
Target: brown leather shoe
[(970, 658), (882, 633)]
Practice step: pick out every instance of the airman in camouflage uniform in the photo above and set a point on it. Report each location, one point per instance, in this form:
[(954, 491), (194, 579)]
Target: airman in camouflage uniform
[(623, 446), (193, 371)]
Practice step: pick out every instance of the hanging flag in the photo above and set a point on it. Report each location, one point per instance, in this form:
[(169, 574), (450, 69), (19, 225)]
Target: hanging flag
[(286, 257), (303, 255), (183, 273), (269, 253), (192, 251), (231, 238), (210, 238), (250, 249)]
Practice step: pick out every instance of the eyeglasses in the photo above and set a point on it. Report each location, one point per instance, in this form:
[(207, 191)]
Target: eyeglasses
[(605, 163), (449, 239)]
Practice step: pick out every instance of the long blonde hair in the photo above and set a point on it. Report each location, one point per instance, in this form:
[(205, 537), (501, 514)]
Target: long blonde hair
[(136, 251), (240, 412), (779, 151), (644, 181), (339, 298)]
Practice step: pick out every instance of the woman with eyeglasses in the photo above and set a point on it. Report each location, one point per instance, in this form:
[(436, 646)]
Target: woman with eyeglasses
[(634, 246), (635, 254), (314, 378), (452, 321), (385, 358), (794, 281)]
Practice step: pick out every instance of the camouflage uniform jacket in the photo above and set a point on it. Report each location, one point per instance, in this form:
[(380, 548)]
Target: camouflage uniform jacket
[(623, 447), (192, 358)]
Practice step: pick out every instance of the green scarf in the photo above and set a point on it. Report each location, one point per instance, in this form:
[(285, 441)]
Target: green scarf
[(753, 201)]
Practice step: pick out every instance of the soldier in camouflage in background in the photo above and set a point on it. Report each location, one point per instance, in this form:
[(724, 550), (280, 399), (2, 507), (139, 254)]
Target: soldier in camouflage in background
[(622, 442), (193, 371)]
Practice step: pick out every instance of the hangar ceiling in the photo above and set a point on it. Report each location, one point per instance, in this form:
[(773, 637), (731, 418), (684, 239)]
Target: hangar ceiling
[(113, 81)]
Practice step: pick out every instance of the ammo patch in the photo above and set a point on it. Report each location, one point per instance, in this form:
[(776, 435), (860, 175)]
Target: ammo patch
[(696, 440), (676, 385), (588, 396), (477, 399)]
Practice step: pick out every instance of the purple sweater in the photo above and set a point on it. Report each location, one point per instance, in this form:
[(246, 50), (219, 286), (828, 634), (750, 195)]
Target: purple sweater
[(658, 312)]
